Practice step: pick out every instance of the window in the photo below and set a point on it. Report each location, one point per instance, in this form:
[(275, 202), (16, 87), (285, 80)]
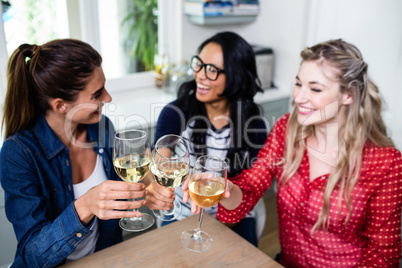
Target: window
[(98, 22), (30, 21)]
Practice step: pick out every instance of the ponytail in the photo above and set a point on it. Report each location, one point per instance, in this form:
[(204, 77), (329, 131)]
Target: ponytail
[(19, 107), (37, 74)]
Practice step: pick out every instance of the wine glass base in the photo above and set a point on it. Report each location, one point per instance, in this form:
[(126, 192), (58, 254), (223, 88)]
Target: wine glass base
[(169, 215), (203, 243), (161, 214), (137, 224)]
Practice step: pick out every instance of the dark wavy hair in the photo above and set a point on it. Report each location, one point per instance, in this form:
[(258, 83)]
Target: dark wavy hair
[(242, 83)]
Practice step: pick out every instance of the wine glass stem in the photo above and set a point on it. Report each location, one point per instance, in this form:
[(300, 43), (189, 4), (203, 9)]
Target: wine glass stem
[(170, 211), (197, 235), (137, 218)]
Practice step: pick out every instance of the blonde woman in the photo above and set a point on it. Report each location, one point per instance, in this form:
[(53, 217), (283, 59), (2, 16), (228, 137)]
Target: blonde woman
[(339, 175)]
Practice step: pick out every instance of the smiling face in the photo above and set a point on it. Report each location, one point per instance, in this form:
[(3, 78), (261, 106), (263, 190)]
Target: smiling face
[(87, 108), (317, 95), (208, 91)]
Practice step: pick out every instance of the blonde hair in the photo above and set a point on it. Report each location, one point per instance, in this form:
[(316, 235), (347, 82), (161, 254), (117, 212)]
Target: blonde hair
[(363, 123)]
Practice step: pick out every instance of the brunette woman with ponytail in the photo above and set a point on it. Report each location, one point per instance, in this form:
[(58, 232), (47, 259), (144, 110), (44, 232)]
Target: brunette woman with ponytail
[(339, 175), (56, 161)]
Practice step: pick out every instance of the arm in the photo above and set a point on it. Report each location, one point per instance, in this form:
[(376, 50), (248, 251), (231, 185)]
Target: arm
[(171, 121), (244, 191), (47, 223), (383, 222), (255, 181), (256, 138)]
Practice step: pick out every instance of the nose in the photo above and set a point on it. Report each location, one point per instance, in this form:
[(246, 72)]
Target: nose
[(106, 96), (299, 94)]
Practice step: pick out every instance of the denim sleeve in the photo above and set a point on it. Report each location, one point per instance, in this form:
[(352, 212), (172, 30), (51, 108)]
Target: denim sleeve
[(41, 242)]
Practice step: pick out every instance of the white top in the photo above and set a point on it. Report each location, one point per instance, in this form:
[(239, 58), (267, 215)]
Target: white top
[(87, 246)]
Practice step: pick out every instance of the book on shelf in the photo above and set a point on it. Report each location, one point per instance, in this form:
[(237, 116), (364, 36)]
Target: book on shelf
[(221, 8), (255, 2), (212, 8), (248, 2), (246, 9), (209, 1)]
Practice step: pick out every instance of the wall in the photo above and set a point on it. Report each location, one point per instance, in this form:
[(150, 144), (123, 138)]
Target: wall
[(287, 26), (374, 27), (278, 26)]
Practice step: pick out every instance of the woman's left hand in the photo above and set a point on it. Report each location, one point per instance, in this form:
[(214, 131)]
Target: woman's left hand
[(194, 208), (159, 197)]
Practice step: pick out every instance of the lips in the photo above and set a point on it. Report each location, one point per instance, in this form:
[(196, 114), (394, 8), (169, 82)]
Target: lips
[(305, 111), (202, 89), (99, 110)]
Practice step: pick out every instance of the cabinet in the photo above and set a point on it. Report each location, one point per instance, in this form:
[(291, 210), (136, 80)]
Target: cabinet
[(274, 109)]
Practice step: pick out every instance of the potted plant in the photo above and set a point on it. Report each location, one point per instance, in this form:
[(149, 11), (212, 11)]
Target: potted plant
[(142, 34)]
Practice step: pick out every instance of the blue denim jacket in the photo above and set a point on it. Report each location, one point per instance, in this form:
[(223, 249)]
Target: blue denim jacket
[(35, 173)]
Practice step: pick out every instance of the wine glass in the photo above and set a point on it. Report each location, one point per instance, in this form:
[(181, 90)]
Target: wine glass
[(170, 166), (206, 186), (131, 162)]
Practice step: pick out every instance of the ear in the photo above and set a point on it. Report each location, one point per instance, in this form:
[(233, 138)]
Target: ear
[(59, 105), (347, 99)]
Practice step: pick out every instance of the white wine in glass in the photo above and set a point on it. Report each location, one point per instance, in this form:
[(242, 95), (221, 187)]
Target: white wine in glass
[(206, 186), (132, 167), (131, 160), (170, 166)]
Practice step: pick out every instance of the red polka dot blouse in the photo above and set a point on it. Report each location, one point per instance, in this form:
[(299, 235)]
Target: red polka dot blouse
[(371, 237)]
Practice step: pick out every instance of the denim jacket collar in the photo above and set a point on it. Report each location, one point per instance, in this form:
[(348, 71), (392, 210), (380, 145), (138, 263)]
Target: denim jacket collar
[(52, 145)]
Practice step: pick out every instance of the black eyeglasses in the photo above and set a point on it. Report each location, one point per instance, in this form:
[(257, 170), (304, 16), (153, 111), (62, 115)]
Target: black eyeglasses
[(211, 72)]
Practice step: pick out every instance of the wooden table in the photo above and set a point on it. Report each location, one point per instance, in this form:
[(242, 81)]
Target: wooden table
[(162, 248)]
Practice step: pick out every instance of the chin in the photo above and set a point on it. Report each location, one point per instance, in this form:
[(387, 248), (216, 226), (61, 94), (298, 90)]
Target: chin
[(96, 117), (201, 97), (309, 119)]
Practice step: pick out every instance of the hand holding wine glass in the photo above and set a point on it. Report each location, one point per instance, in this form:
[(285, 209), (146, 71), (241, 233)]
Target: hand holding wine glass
[(206, 185), (170, 166), (131, 160)]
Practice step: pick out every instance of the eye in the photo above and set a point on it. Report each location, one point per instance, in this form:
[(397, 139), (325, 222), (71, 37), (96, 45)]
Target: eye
[(212, 69), (316, 90), (297, 84), (196, 64), (96, 95)]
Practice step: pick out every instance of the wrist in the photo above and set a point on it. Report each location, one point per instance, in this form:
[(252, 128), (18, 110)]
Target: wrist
[(83, 213)]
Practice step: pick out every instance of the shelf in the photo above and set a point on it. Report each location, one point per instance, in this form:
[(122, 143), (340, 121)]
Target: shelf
[(218, 20)]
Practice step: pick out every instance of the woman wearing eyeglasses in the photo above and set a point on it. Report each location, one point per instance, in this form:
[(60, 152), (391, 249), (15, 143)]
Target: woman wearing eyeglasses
[(216, 113)]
